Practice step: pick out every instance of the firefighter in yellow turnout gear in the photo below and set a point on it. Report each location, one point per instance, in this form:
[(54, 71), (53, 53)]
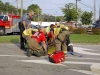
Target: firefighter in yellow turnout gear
[(61, 36), (58, 28)]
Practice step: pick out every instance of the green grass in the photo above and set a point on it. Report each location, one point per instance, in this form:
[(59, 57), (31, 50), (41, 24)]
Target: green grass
[(10, 39), (84, 38), (75, 38)]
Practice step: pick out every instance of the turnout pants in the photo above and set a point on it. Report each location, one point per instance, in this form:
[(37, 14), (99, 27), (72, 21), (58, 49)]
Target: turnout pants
[(33, 44), (60, 46), (60, 41)]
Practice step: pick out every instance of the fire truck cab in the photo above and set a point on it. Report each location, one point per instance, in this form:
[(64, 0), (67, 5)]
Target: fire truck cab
[(9, 24)]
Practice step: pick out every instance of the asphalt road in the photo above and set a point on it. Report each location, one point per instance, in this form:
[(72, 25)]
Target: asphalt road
[(14, 61)]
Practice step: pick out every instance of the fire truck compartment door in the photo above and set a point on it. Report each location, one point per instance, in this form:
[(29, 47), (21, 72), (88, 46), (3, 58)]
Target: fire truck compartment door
[(15, 27)]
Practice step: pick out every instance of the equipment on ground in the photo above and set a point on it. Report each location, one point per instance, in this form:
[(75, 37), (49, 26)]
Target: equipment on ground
[(57, 57)]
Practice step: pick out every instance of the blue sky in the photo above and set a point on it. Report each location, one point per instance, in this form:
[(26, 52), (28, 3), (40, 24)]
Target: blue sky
[(53, 6)]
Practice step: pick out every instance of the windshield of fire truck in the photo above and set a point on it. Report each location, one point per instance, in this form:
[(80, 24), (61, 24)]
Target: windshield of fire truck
[(1, 17)]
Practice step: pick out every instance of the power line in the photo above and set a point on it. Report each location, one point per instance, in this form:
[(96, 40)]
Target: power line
[(13, 2), (28, 1), (88, 6), (81, 2)]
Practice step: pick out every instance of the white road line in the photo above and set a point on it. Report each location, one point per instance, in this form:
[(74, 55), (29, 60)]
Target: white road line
[(40, 62), (12, 56), (85, 51), (85, 63), (84, 71), (40, 57), (45, 61), (83, 58), (95, 68)]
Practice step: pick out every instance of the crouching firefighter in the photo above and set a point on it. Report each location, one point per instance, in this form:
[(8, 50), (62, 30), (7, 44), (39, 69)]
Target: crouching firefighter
[(60, 40), (34, 41)]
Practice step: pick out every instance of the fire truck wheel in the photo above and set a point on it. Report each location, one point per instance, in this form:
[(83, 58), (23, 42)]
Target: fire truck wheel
[(2, 31)]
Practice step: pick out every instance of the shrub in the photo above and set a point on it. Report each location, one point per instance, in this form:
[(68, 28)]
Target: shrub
[(80, 31), (96, 31)]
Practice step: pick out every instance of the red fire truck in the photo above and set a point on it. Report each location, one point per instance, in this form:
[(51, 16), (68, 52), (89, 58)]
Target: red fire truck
[(9, 24)]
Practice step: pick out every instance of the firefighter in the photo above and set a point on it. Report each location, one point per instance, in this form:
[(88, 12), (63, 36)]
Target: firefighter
[(60, 40), (40, 42), (24, 24), (63, 26), (56, 29), (51, 35), (53, 32)]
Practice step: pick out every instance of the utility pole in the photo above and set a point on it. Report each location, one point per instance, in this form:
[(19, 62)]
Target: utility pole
[(38, 16), (21, 8), (76, 12), (7, 9), (17, 6), (76, 5), (55, 17), (99, 14), (94, 10)]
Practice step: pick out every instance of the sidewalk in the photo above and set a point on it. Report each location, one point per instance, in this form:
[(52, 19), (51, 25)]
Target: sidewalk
[(95, 68)]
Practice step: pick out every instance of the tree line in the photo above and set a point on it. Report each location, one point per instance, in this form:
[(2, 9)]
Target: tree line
[(69, 11)]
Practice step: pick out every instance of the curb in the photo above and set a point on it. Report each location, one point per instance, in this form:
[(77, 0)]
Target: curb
[(95, 68), (86, 43)]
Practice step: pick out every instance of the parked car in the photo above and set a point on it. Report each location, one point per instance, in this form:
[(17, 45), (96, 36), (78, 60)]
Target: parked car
[(89, 28), (45, 26), (34, 26)]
